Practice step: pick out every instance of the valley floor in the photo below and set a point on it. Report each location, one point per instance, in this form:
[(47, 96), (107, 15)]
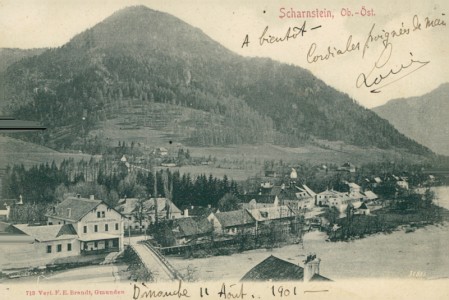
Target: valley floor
[(395, 255)]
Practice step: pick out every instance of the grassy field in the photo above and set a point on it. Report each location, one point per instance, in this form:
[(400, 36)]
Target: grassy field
[(157, 129), (13, 151), (114, 131), (309, 153), (237, 162)]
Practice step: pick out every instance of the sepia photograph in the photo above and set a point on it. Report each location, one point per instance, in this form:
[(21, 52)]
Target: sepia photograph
[(224, 149)]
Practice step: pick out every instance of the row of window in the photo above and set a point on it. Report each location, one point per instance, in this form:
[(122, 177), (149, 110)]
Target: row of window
[(106, 227), (136, 226), (58, 248)]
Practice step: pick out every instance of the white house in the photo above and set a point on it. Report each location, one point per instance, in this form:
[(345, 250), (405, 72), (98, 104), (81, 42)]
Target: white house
[(99, 227), (361, 208), (337, 199), (51, 241)]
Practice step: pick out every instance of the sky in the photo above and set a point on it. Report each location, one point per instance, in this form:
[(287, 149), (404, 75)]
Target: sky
[(52, 23)]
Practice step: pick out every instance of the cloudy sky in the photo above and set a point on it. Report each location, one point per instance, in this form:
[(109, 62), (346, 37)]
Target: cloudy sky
[(52, 23)]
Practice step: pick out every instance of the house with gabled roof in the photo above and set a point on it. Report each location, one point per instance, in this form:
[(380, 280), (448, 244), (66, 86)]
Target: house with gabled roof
[(304, 199), (252, 201), (191, 230), (360, 208), (99, 226), (232, 222), (51, 241), (275, 269), (282, 212)]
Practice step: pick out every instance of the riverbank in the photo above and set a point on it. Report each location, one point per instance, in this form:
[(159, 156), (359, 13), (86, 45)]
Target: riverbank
[(394, 255), (382, 255)]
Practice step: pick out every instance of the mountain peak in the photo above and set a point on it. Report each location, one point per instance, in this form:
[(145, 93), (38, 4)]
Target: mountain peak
[(147, 30)]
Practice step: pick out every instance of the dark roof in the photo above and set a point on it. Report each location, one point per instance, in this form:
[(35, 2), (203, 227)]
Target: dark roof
[(234, 218), (363, 206), (79, 207), (318, 277), (259, 198), (190, 226), (275, 269), (283, 193)]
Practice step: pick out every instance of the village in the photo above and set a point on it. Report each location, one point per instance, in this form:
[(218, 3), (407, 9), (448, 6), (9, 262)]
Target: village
[(82, 230)]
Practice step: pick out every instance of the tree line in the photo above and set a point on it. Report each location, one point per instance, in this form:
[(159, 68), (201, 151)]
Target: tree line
[(109, 181)]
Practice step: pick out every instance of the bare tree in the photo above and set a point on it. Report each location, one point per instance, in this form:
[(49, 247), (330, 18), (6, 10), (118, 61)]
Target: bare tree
[(140, 212), (156, 216), (168, 190)]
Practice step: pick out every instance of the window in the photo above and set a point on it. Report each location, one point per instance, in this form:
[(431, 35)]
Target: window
[(69, 247), (103, 214), (49, 249), (96, 228), (106, 227), (85, 229), (50, 223), (96, 244), (59, 248), (116, 226), (98, 214)]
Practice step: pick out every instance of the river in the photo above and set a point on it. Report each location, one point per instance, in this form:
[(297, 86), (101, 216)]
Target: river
[(394, 255)]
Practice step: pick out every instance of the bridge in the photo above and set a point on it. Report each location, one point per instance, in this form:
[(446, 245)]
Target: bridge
[(155, 262)]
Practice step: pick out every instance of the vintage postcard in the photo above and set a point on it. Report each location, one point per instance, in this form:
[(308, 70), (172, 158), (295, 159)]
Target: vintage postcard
[(224, 149)]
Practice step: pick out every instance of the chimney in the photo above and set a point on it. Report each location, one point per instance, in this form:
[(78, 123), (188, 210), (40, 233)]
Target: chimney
[(53, 209), (311, 267), (20, 200), (69, 212), (92, 197), (209, 206), (78, 196), (186, 212)]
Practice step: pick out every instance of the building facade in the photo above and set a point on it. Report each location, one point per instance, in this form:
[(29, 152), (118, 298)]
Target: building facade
[(98, 227)]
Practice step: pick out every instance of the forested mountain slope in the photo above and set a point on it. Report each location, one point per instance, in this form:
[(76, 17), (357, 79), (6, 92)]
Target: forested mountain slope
[(139, 56), (424, 119)]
